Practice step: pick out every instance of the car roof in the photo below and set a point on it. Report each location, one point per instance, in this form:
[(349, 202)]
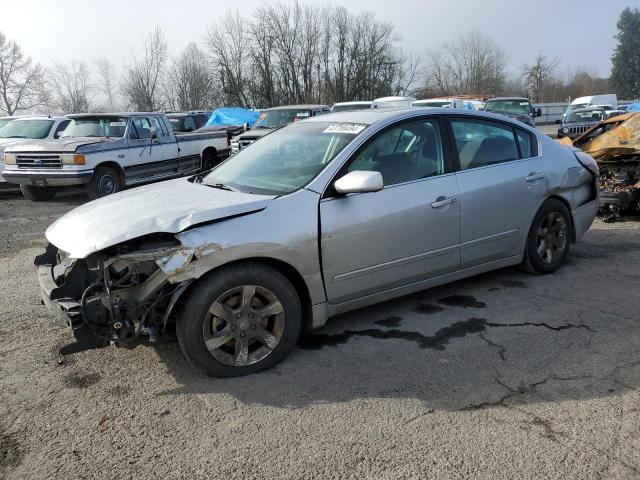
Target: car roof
[(113, 114), (41, 117), (185, 114), (521, 99), (296, 107), (369, 117), (355, 102)]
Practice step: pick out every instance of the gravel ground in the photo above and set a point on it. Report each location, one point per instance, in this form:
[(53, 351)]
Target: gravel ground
[(505, 375)]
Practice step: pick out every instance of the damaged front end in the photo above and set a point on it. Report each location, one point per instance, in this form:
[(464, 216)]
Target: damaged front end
[(121, 295), (615, 145)]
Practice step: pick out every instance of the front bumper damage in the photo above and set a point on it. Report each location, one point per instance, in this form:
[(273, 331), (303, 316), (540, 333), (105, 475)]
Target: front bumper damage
[(120, 296)]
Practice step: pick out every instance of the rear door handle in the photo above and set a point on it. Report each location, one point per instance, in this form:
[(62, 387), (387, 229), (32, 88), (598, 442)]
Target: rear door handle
[(443, 202), (534, 176)]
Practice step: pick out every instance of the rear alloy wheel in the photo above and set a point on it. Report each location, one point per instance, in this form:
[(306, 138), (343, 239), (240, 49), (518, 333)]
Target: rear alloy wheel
[(105, 181), (239, 320), (549, 238), (38, 194)]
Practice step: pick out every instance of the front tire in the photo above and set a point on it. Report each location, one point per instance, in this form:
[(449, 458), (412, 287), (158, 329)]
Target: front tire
[(38, 194), (549, 238), (104, 181), (239, 320)]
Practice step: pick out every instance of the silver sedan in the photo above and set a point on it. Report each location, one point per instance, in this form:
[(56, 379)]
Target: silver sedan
[(318, 218)]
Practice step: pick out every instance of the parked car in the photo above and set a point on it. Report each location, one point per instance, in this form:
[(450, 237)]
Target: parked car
[(579, 120), (318, 218), (348, 106), (519, 108), (439, 103), (26, 129), (608, 99), (185, 122), (107, 152), (392, 102), (273, 118)]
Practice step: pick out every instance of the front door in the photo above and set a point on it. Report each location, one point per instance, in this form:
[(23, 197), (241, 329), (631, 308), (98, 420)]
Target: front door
[(145, 154), (407, 232)]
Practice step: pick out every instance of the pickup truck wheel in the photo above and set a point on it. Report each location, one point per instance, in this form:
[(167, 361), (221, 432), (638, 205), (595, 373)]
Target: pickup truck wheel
[(239, 320), (209, 160), (549, 238), (104, 181), (38, 194)]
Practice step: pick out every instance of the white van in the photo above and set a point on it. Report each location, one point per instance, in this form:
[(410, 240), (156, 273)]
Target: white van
[(439, 103), (388, 102), (607, 99)]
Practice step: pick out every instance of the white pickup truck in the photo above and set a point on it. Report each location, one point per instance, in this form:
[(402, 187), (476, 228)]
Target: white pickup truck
[(107, 152)]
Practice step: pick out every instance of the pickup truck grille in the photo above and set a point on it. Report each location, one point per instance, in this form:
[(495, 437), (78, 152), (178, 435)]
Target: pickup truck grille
[(38, 161)]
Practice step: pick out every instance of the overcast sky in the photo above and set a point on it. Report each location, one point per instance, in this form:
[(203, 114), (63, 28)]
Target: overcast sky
[(579, 32)]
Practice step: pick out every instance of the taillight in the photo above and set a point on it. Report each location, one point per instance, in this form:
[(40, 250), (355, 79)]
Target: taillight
[(587, 162)]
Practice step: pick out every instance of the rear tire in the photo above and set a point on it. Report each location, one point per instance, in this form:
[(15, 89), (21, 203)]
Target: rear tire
[(38, 194), (549, 238), (239, 320), (209, 160), (104, 181)]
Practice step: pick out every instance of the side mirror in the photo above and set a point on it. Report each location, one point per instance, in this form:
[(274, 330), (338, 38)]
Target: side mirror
[(539, 112), (58, 134), (153, 133), (359, 181)]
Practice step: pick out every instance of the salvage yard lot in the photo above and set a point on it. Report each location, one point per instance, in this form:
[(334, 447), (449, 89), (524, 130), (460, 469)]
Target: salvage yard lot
[(506, 375)]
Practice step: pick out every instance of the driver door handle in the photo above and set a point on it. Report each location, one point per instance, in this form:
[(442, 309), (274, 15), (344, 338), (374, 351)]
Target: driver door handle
[(444, 201), (532, 177)]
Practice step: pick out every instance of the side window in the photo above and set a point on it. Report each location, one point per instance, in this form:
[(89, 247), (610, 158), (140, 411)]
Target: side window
[(189, 124), (140, 128), (201, 120), (159, 125), (61, 128), (481, 143), (405, 152), (528, 145)]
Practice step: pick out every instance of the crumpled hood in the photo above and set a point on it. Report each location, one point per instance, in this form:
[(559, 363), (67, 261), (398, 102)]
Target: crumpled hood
[(64, 145), (170, 206)]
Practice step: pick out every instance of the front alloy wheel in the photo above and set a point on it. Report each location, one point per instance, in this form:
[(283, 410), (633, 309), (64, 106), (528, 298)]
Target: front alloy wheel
[(239, 319), (244, 325)]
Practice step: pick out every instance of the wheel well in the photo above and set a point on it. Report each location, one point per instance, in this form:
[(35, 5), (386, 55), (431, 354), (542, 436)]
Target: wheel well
[(284, 268), (116, 166), (210, 150), (568, 205)]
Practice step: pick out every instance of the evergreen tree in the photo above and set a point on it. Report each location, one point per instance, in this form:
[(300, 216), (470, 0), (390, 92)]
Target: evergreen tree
[(625, 74)]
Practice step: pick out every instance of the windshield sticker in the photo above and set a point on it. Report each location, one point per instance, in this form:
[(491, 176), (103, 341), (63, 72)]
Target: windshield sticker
[(351, 128), (524, 104), (117, 124), (302, 114)]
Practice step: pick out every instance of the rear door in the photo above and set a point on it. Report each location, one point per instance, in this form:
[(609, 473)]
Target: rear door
[(502, 183), (407, 232)]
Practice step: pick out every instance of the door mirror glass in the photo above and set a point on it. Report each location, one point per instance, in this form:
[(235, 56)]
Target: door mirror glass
[(359, 181), (539, 112)]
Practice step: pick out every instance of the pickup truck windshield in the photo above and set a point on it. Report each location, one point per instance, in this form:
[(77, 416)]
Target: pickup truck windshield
[(579, 117), (36, 129), (286, 160), (96, 127), (4, 121), (280, 118), (521, 107)]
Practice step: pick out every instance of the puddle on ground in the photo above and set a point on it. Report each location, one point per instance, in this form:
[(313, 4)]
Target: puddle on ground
[(437, 341), (464, 301), (427, 308), (392, 321)]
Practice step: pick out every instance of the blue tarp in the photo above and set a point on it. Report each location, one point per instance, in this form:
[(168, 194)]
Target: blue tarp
[(634, 107), (232, 116)]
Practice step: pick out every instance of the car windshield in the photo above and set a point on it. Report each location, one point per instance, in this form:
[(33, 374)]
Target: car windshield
[(33, 128), (522, 107), (286, 160), (4, 121), (280, 118), (96, 127), (590, 116), (355, 106), (435, 104)]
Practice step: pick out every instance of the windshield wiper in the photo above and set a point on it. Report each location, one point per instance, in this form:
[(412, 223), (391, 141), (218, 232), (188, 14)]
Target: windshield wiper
[(221, 186), (16, 136)]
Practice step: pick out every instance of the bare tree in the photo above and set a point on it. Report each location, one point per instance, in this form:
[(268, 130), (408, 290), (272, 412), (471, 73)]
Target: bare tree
[(143, 78), (106, 81), (228, 46), (538, 75), (71, 87), (190, 82), (471, 64), (20, 79)]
